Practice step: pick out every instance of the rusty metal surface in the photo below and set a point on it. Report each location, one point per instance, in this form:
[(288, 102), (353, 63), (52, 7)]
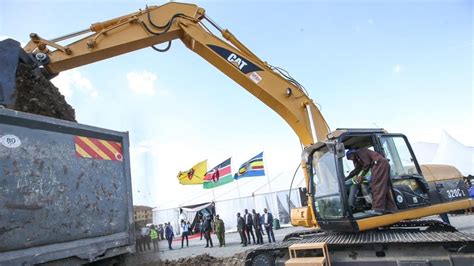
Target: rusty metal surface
[(49, 195)]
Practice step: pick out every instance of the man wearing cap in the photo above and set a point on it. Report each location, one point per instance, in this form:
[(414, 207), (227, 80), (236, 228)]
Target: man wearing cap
[(382, 199), (220, 231)]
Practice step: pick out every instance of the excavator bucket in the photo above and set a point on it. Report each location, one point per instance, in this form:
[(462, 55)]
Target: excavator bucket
[(11, 54), (25, 86)]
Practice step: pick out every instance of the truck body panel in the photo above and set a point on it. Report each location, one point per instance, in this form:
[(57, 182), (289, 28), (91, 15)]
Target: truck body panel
[(65, 190)]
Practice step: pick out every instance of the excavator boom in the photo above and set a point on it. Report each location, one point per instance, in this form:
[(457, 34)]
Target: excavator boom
[(161, 24)]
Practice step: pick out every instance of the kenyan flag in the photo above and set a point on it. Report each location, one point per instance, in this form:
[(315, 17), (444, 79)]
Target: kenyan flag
[(218, 176)]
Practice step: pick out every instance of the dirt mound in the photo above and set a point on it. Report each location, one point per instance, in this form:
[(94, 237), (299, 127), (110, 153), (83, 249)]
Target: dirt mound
[(206, 259), (37, 95)]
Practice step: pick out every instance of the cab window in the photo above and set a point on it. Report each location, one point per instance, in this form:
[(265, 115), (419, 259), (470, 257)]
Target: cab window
[(326, 185), (399, 156)]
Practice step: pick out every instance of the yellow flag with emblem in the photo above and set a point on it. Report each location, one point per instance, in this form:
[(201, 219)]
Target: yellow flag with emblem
[(195, 175)]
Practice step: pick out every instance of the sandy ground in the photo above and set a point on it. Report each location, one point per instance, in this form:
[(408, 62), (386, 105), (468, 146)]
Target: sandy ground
[(462, 222), (197, 247), (233, 245)]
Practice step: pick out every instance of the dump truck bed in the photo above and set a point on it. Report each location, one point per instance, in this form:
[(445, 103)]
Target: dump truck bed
[(65, 191)]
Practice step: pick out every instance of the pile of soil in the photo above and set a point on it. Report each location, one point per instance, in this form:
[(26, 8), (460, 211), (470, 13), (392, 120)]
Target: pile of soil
[(206, 259), (37, 95)]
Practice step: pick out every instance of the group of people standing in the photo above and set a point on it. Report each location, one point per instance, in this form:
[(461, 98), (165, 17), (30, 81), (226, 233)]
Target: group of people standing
[(206, 226), (249, 222), (246, 226), (152, 234)]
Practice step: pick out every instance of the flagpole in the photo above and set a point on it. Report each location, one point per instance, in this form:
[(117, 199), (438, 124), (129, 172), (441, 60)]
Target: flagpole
[(213, 195), (269, 186), (238, 191)]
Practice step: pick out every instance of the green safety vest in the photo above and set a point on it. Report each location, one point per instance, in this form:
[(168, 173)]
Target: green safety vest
[(153, 234)]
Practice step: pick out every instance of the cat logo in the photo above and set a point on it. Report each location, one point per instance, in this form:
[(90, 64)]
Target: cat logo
[(236, 61), (244, 65)]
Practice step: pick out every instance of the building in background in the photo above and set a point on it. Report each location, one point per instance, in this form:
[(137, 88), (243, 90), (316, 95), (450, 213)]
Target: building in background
[(143, 215)]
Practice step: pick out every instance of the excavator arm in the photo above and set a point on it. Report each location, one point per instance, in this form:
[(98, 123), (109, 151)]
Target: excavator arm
[(161, 24)]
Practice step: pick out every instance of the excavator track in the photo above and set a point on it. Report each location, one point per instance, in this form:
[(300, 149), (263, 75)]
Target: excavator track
[(429, 225), (381, 237), (399, 231), (423, 237)]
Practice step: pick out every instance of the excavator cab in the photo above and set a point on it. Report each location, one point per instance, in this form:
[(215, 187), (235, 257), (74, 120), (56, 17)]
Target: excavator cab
[(337, 209)]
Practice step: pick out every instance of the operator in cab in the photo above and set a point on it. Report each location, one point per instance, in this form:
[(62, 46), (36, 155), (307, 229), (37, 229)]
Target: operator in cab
[(356, 180), (382, 198)]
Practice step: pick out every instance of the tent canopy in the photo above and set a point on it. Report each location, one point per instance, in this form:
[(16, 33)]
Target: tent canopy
[(449, 151), (278, 203), (196, 207)]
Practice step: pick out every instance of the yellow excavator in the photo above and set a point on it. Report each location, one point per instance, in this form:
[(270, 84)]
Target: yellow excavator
[(352, 234)]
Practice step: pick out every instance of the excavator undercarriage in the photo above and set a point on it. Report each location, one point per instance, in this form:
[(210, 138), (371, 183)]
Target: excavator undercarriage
[(418, 242)]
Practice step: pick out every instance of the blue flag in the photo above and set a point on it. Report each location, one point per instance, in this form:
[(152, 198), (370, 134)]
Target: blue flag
[(252, 167)]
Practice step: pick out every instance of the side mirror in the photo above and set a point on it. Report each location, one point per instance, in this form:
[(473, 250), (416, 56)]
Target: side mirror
[(340, 150)]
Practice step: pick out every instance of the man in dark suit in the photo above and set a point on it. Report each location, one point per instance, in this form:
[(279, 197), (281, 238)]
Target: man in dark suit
[(268, 224), (169, 234), (207, 231), (249, 225), (241, 229), (257, 225)]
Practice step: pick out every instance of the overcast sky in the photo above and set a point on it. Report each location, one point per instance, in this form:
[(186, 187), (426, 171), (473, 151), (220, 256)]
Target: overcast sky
[(402, 65)]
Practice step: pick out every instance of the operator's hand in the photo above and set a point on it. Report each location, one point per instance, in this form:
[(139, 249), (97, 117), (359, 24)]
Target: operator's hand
[(359, 179)]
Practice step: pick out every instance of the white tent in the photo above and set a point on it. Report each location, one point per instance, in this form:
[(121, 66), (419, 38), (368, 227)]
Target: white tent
[(448, 151), (275, 202), (167, 215), (173, 215)]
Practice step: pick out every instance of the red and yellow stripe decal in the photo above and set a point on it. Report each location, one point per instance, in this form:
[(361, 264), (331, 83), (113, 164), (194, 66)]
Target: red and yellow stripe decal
[(98, 149)]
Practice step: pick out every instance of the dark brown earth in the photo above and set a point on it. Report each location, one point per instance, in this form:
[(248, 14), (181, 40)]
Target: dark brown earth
[(206, 259), (37, 95)]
